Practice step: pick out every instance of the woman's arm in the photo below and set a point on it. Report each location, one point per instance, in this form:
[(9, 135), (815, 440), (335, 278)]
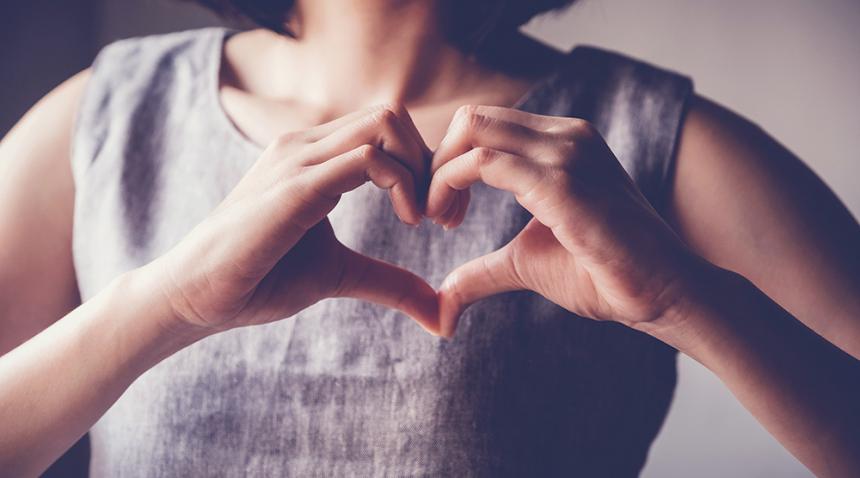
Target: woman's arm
[(597, 248), (745, 203), (37, 279), (58, 383), (803, 389)]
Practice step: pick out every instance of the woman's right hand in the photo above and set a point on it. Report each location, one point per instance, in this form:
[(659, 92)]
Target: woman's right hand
[(268, 250)]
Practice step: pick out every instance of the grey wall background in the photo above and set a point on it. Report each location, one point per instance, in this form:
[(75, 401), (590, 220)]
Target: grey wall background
[(793, 66)]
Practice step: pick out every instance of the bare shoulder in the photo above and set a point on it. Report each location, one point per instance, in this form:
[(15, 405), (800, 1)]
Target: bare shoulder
[(36, 152), (725, 161), (711, 129), (52, 117), (37, 283), (745, 202)]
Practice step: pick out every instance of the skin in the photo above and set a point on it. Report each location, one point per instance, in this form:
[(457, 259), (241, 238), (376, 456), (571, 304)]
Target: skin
[(751, 272)]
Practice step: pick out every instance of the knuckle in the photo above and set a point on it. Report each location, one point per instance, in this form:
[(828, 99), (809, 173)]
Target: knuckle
[(561, 177), (484, 156), (385, 117), (384, 123), (453, 285), (564, 183), (388, 117), (565, 151), (466, 114), (476, 122), (367, 152), (471, 118), (582, 129), (466, 110), (574, 139), (394, 107)]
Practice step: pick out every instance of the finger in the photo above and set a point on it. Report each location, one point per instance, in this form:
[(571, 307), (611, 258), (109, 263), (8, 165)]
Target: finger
[(455, 214), (382, 128), (524, 118), (348, 171), (445, 217), (498, 169), (478, 126), (377, 281), (324, 129), (407, 121), (477, 279), (422, 180), (463, 198)]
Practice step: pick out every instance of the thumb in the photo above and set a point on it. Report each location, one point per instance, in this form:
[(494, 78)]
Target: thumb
[(477, 279), (378, 281)]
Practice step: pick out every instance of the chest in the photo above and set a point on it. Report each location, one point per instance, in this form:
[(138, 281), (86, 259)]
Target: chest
[(262, 120)]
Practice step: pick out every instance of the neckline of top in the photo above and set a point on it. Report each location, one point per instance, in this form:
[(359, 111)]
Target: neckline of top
[(216, 55)]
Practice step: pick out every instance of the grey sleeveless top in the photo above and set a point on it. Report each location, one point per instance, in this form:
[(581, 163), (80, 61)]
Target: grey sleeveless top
[(347, 388)]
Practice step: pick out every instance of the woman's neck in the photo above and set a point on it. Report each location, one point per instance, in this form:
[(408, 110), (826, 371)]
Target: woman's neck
[(354, 54)]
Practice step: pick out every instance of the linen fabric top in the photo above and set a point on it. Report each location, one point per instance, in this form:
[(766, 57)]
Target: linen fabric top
[(349, 388)]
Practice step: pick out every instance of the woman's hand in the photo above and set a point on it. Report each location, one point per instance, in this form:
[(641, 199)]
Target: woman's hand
[(268, 250), (595, 246)]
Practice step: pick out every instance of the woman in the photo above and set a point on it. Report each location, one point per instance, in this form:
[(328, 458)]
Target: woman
[(211, 169)]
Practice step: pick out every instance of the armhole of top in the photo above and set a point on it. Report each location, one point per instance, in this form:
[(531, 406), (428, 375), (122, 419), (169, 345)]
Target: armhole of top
[(118, 83), (86, 139), (666, 176)]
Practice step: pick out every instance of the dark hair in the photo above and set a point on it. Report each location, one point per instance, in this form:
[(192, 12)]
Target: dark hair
[(468, 21)]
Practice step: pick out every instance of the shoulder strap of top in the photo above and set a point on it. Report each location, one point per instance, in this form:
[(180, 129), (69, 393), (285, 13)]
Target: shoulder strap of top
[(638, 108), (135, 91)]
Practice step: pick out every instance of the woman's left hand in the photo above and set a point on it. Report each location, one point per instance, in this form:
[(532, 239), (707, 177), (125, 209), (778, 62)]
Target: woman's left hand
[(595, 245)]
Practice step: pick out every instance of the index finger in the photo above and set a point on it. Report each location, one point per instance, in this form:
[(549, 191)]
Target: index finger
[(502, 129)]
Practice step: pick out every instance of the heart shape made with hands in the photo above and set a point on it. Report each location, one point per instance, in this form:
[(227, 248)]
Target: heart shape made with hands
[(507, 149), (420, 183), (594, 245)]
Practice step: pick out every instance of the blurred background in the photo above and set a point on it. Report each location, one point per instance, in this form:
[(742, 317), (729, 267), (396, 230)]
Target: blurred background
[(792, 66)]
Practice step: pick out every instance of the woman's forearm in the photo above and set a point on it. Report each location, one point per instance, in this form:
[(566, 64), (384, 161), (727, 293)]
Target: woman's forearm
[(803, 389), (56, 385)]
